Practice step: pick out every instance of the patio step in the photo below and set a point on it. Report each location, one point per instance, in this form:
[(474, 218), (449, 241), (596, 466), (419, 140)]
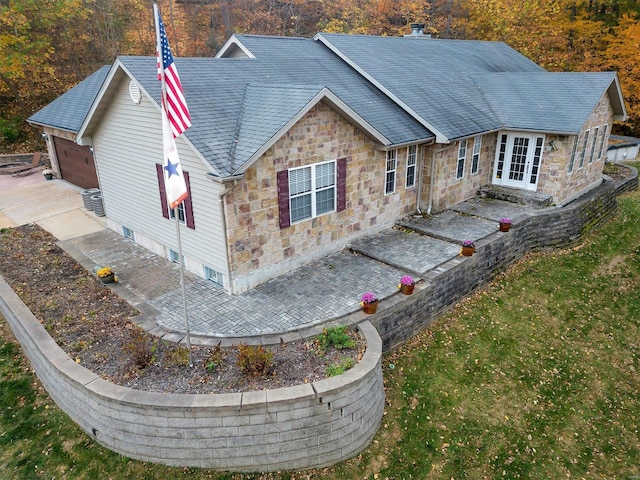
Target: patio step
[(522, 197)]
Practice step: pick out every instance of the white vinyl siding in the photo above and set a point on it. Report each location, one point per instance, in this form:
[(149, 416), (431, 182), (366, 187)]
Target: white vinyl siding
[(127, 148)]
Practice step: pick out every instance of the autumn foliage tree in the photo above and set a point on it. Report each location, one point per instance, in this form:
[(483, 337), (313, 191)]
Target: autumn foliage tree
[(47, 46)]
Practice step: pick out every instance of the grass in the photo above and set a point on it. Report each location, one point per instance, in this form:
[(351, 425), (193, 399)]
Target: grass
[(535, 376)]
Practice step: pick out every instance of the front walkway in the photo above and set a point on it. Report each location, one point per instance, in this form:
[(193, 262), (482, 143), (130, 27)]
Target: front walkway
[(325, 290)]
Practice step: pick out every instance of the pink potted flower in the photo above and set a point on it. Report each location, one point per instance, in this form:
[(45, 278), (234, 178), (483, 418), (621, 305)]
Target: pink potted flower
[(407, 283), (505, 224), (369, 302), (468, 248)]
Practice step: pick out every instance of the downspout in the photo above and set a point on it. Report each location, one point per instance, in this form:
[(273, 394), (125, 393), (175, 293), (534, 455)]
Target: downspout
[(419, 195), (221, 196)]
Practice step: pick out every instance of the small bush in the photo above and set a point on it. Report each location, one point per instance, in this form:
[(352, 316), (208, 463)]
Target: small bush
[(140, 348), (340, 367), (179, 356), (254, 360), (335, 337), (215, 358)]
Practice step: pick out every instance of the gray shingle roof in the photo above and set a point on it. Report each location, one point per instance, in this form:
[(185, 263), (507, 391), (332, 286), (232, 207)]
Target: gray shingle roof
[(551, 102), (69, 110), (408, 90)]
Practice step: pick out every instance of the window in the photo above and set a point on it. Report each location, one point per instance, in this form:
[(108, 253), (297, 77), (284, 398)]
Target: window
[(572, 159), (604, 134), (312, 191), (501, 156), (593, 145), (583, 153), (475, 159), (535, 164), (127, 233), (181, 215), (462, 154), (412, 156), (390, 180), (174, 256), (307, 192), (185, 210), (214, 276)]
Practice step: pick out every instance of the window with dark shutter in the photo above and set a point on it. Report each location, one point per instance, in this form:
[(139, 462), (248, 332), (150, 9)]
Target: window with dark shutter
[(163, 192), (185, 210)]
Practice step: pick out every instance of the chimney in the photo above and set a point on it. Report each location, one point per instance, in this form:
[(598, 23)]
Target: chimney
[(417, 30)]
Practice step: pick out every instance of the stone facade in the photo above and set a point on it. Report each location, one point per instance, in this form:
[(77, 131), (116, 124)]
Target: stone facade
[(555, 178), (447, 189), (259, 249)]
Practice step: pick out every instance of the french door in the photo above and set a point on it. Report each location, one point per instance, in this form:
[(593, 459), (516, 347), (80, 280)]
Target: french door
[(518, 158)]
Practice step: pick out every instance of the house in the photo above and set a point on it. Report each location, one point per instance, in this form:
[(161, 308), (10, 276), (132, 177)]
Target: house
[(301, 145)]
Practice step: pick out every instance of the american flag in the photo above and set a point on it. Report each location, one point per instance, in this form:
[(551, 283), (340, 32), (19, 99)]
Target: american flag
[(175, 106)]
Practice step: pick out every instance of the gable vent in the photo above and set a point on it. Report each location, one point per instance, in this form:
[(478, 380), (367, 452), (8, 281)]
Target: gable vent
[(134, 92)]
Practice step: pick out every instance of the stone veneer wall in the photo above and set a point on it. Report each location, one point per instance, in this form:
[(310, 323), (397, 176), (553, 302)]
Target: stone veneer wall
[(555, 179), (449, 190), (300, 427), (259, 249), (398, 319)]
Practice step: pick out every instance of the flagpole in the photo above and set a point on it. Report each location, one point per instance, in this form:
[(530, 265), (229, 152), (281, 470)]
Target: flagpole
[(184, 287), (175, 209)]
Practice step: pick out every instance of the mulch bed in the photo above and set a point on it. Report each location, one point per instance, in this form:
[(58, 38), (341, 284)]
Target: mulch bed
[(93, 326)]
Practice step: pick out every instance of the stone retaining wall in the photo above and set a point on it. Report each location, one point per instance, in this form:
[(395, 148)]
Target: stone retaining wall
[(401, 317), (300, 427)]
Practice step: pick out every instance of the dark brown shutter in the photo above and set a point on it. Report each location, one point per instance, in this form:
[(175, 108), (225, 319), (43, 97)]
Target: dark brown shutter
[(283, 199), (163, 192), (342, 184), (188, 206)]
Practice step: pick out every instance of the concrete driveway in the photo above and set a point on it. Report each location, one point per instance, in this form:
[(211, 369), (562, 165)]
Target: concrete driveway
[(54, 205)]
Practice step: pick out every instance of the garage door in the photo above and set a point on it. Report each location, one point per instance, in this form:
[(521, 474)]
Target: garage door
[(76, 163)]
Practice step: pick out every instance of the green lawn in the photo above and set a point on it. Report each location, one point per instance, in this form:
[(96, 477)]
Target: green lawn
[(535, 376)]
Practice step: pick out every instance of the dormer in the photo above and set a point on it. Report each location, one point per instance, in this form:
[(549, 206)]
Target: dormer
[(233, 48)]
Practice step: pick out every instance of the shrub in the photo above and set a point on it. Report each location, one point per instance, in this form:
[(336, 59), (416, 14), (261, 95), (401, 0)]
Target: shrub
[(340, 367), (254, 360), (140, 348), (215, 358), (179, 355), (335, 337)]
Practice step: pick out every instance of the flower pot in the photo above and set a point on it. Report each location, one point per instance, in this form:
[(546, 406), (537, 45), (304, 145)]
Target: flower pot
[(504, 227), (468, 251), (48, 176), (407, 289), (108, 279), (370, 307)]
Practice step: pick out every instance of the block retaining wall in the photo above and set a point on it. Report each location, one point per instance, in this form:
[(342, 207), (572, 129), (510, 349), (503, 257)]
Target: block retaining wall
[(401, 317), (300, 427)]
